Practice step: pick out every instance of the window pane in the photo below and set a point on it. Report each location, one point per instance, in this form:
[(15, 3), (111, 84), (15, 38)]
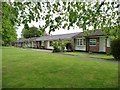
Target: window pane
[(50, 43), (92, 42), (42, 43), (80, 42), (108, 42)]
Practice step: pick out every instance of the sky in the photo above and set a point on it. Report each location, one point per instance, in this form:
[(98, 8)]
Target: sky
[(60, 31)]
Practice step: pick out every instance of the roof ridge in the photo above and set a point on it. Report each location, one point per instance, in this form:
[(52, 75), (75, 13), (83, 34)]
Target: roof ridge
[(65, 34), (62, 34)]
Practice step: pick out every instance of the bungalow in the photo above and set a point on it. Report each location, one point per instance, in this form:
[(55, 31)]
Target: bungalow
[(30, 42), (94, 42), (46, 41), (18, 43)]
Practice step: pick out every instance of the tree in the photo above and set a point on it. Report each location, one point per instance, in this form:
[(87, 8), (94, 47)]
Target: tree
[(115, 48), (32, 32), (8, 29), (100, 15)]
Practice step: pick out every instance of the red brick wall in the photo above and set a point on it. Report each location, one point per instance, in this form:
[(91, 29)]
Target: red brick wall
[(108, 51)]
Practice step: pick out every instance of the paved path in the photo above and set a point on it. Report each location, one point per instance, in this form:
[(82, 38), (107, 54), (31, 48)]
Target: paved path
[(42, 50), (85, 58), (39, 50), (89, 58)]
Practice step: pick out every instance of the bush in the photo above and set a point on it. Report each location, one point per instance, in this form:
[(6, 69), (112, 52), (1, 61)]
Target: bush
[(59, 46), (62, 44), (115, 48), (56, 47)]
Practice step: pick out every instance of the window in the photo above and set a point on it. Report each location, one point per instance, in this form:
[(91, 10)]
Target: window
[(42, 43), (80, 42), (92, 42), (108, 42), (50, 43)]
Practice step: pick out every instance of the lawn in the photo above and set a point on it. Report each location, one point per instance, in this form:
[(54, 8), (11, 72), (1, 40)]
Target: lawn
[(91, 55), (26, 68)]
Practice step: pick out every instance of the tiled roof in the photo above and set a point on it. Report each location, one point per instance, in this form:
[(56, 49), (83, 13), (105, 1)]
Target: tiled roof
[(93, 33), (63, 36), (33, 38), (57, 37), (26, 40), (96, 33), (19, 40)]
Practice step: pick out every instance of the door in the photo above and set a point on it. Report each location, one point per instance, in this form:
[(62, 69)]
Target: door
[(102, 44)]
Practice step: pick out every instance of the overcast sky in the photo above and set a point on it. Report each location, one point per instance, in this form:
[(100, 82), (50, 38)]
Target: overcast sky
[(60, 31)]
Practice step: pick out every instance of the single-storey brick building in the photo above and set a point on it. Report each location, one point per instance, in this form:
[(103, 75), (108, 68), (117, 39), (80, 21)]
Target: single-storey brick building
[(93, 42)]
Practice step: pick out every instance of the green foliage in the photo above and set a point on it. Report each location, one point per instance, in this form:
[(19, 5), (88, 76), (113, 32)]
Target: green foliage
[(70, 14), (32, 32), (56, 46), (8, 29), (115, 48), (100, 15), (62, 44), (59, 46)]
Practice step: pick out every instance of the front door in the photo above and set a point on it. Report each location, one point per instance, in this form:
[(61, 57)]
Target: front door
[(102, 44)]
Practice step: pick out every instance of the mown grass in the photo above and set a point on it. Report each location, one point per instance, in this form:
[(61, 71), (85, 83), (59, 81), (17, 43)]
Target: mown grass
[(92, 55), (30, 69)]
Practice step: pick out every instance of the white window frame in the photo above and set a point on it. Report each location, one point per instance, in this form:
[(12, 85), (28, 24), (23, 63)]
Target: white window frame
[(42, 43), (108, 42), (92, 41), (80, 42)]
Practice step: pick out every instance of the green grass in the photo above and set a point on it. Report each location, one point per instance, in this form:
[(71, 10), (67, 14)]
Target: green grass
[(31, 69), (92, 55)]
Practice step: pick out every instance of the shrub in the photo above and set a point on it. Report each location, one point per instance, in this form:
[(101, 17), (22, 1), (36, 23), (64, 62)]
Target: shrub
[(59, 46), (56, 47), (115, 48), (62, 44)]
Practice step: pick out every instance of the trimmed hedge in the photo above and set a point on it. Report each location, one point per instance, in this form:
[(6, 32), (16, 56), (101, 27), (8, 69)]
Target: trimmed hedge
[(115, 48)]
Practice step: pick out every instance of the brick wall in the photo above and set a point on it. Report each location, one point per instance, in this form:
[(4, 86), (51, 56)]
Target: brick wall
[(94, 48), (108, 51)]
